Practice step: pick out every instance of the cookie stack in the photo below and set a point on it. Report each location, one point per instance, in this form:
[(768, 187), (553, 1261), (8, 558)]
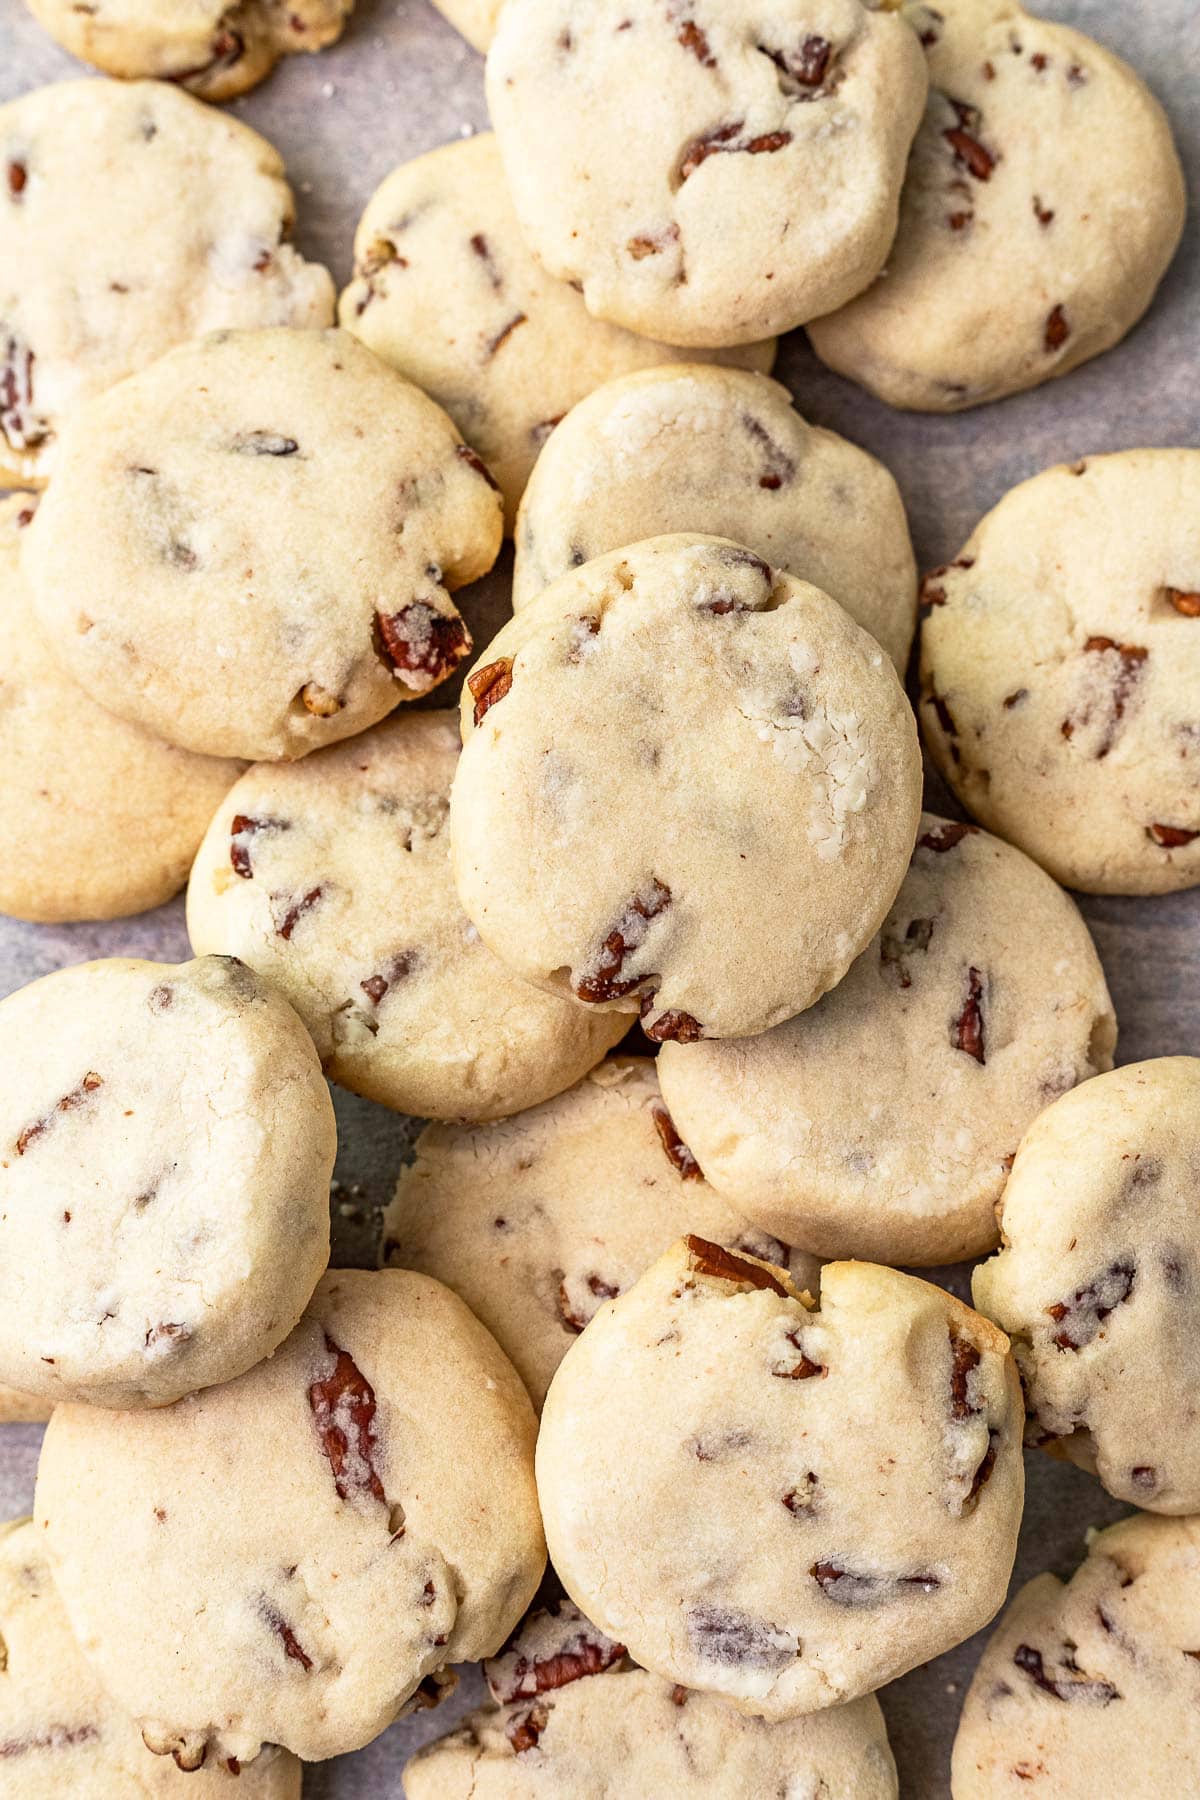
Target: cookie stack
[(717, 1030)]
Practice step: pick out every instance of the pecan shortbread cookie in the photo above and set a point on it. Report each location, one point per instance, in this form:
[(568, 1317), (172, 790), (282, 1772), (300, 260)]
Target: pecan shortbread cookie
[(296, 1556), (708, 171), (131, 217), (538, 1220), (166, 1143), (571, 1715), (100, 818), (1060, 671), (215, 48), (1092, 1686), (1098, 1282), (60, 1733), (17, 1408), (476, 19), (690, 786), (883, 1121), (1043, 203), (332, 878), (722, 451), (786, 1507), (250, 547), (446, 291)]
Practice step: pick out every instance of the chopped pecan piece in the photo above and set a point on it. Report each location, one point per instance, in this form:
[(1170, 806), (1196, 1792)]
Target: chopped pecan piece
[(967, 1031), (596, 1285), (1171, 837), (69, 1102), (856, 1587), (465, 454), (524, 1731), (20, 427), (648, 243), (975, 158), (705, 1258), (800, 1501), (585, 1651), (723, 1636), (399, 969), (18, 175), (984, 1471), (423, 644), (500, 338), (692, 37), (242, 830), (1186, 603), (933, 593), (1043, 214), (264, 443), (672, 1027), (483, 250), (965, 1360), (1075, 1686), (489, 684), (343, 1409), (726, 140), (677, 1151), (1058, 329), (1131, 659), (805, 1369), (228, 48), (780, 467), (805, 67), (605, 981), (894, 951), (292, 1647), (287, 910), (1088, 1307), (945, 836)]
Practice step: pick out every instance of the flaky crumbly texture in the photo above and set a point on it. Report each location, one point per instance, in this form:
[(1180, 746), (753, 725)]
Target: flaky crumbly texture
[(538, 1220), (132, 217), (1097, 1279), (882, 1122), (1043, 203), (446, 290), (250, 547), (60, 1731), (166, 1144), (100, 818), (690, 786), (708, 172), (291, 1557), (1092, 1686), (331, 877), (1060, 671), (782, 1507), (723, 451)]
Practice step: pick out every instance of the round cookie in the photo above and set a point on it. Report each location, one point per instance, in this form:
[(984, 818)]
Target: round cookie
[(101, 818), (295, 1557), (1091, 1686), (599, 1725), (166, 1144), (783, 1507), (709, 172), (59, 1731), (1043, 203), (1098, 1282), (17, 1408), (535, 1222), (882, 1122), (723, 451), (673, 751), (476, 19), (250, 546), (214, 49), (1060, 671), (131, 217), (446, 291), (331, 877)]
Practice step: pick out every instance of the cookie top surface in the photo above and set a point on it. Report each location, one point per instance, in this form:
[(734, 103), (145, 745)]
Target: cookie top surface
[(724, 451), (166, 1143), (311, 1533), (100, 819), (1098, 1279), (599, 1725), (679, 749), (60, 1731), (1043, 202), (211, 48), (782, 1507), (249, 547), (538, 1220), (709, 172), (1091, 1687), (476, 19), (446, 291), (1060, 671), (331, 877), (131, 217), (883, 1121)]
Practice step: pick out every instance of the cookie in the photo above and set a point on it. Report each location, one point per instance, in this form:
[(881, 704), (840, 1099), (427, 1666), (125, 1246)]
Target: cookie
[(249, 547), (476, 19), (23, 1409), (537, 1221), (296, 1556), (446, 291), (572, 1715), (1098, 1279), (712, 171), (723, 451), (166, 1143), (100, 818), (690, 785), (208, 46), (882, 1122), (1060, 671), (782, 1507), (60, 1732), (131, 217), (1091, 1686), (331, 877), (1043, 203)]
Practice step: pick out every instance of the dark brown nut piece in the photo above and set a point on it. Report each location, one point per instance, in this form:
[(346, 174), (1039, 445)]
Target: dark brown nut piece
[(18, 176), (1083, 1314), (465, 454), (242, 830), (489, 685), (966, 1359), (945, 836), (604, 980), (343, 1409), (1073, 1685), (710, 1260), (856, 1587), (1172, 837), (264, 443), (582, 1651), (1058, 329), (292, 1647), (723, 1636), (524, 1731), (673, 1027), (966, 146), (375, 987), (423, 645), (287, 910), (677, 1151), (18, 422), (1186, 603), (967, 1032), (69, 1102), (933, 592), (727, 139), (596, 1285), (805, 1369), (693, 38)]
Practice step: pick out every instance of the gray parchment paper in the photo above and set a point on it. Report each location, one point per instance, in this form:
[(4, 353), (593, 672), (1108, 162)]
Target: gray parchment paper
[(402, 82)]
